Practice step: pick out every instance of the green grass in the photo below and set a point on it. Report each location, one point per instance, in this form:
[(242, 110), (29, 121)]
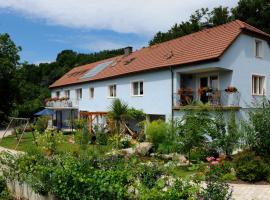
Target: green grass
[(27, 144)]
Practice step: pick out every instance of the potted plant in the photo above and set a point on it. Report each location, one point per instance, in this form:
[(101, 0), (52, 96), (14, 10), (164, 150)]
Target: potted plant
[(231, 89)]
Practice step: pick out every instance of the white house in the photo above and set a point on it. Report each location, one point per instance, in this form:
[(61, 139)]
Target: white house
[(226, 66)]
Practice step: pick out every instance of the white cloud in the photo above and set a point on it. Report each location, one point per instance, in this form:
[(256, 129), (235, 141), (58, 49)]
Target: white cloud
[(123, 16)]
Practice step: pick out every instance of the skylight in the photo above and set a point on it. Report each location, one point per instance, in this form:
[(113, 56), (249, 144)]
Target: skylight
[(96, 69)]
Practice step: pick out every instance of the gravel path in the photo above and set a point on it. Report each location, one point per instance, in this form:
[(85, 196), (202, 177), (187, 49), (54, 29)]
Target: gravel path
[(250, 192)]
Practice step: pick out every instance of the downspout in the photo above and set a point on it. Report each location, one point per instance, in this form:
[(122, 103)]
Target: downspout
[(172, 96)]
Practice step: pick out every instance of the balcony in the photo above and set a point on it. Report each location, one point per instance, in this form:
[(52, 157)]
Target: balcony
[(227, 99), (61, 103)]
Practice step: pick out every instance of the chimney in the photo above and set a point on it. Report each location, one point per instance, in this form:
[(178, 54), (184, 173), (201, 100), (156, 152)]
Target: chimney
[(207, 25), (127, 51)]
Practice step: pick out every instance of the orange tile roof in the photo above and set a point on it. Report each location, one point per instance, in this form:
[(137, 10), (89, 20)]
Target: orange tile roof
[(204, 45)]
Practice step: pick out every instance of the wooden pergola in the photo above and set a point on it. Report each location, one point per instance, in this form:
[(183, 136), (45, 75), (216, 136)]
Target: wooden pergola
[(91, 116)]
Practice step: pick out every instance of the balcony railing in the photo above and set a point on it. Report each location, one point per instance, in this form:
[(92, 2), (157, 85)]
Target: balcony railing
[(61, 103), (213, 98)]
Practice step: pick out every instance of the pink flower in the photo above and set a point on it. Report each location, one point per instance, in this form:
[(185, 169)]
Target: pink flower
[(209, 159), (214, 162)]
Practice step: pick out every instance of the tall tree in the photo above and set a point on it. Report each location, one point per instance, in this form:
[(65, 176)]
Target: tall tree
[(254, 12), (9, 59)]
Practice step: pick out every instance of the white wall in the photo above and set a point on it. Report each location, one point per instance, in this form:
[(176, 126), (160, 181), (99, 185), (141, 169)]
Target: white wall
[(156, 98)]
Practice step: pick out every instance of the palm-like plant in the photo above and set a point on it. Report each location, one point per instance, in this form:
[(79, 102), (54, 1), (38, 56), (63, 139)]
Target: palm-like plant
[(118, 112)]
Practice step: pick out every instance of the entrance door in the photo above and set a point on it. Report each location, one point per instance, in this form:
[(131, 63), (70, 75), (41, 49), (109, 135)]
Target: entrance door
[(59, 119), (203, 89), (208, 85)]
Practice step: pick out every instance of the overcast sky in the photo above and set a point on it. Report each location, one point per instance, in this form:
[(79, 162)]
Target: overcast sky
[(45, 27)]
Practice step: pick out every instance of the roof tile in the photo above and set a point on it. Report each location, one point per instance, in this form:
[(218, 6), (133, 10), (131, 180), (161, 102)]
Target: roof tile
[(200, 46)]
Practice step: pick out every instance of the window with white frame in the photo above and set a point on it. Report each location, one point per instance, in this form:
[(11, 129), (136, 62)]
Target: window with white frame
[(258, 85), (112, 91), (91, 93), (258, 49), (137, 88), (79, 93), (67, 93)]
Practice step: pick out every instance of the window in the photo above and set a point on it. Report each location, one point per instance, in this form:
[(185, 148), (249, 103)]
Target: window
[(258, 49), (258, 85), (112, 91), (67, 93), (58, 94), (214, 82), (137, 88), (79, 94), (91, 93)]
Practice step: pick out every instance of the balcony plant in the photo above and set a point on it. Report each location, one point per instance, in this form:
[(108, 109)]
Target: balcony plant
[(182, 91), (204, 90), (231, 89)]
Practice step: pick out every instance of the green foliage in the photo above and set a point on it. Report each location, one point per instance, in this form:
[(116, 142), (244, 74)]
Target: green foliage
[(164, 136), (216, 189), (101, 136), (135, 114), (118, 141), (148, 175), (196, 125), (41, 124), (254, 12), (4, 193), (226, 135), (257, 128), (250, 167), (180, 189), (9, 57), (49, 140), (118, 113), (80, 123)]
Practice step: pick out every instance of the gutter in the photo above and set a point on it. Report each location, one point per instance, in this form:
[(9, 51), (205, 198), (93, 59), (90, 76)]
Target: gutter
[(172, 100)]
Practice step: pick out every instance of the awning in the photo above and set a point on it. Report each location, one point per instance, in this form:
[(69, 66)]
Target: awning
[(45, 112)]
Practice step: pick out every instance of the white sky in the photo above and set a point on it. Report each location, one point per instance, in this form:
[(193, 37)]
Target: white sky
[(123, 16)]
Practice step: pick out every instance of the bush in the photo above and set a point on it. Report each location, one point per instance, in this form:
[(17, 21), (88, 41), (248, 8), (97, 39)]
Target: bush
[(101, 137), (50, 140), (164, 136), (257, 129), (4, 193), (41, 124), (250, 167), (148, 175), (216, 189)]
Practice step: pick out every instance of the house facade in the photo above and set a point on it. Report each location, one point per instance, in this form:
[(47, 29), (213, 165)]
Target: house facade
[(227, 67)]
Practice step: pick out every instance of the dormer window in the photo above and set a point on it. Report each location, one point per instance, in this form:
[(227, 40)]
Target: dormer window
[(258, 49)]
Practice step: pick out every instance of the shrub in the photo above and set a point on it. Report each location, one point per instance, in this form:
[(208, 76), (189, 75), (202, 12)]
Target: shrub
[(101, 137), (250, 167), (50, 140), (148, 175), (164, 136), (41, 124), (216, 189), (4, 193), (257, 128)]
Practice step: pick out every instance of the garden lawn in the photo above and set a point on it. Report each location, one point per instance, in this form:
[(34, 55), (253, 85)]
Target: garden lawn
[(27, 144)]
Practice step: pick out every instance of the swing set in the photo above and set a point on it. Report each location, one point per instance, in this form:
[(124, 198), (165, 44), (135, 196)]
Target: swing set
[(16, 123)]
